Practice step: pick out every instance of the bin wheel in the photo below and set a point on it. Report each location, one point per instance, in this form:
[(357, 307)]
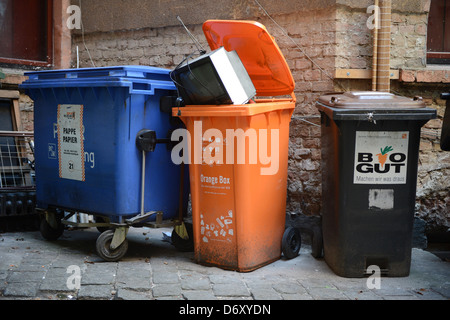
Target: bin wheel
[(317, 243), (50, 233), (103, 247), (184, 245), (291, 242)]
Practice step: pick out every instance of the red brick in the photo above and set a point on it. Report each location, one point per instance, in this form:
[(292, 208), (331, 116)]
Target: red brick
[(322, 86), (421, 29), (424, 76), (407, 76), (312, 75), (303, 64)]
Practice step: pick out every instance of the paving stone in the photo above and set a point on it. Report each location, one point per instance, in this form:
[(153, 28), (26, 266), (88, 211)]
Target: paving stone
[(317, 283), (442, 290), (99, 292), (164, 290), (195, 283), (134, 276), (99, 274), (266, 294), (21, 289), (296, 296), (32, 267), (26, 276), (9, 260), (393, 291), (231, 290), (66, 261), (289, 287), (261, 289), (165, 278), (127, 294), (361, 295), (55, 284), (134, 283), (227, 278), (199, 295), (407, 297), (327, 294)]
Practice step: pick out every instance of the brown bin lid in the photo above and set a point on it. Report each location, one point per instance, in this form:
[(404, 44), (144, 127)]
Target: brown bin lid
[(370, 100)]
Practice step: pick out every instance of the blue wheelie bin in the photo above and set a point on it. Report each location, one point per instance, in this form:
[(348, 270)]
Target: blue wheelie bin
[(102, 147)]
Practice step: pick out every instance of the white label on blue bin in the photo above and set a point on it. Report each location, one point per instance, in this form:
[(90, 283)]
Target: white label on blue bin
[(71, 142), (381, 157)]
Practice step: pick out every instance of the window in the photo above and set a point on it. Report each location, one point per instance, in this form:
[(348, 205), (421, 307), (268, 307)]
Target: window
[(7, 144), (26, 32), (438, 42), (15, 170)]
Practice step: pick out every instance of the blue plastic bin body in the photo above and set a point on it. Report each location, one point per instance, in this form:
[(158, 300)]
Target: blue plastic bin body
[(114, 104)]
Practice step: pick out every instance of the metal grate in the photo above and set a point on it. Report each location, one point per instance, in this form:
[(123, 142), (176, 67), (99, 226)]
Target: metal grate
[(16, 160)]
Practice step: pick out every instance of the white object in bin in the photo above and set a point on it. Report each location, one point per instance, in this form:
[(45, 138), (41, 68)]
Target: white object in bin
[(218, 77)]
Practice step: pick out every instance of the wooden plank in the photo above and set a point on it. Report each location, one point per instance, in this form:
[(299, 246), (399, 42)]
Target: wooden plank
[(447, 27), (439, 55), (14, 96), (17, 122), (362, 74), (9, 94)]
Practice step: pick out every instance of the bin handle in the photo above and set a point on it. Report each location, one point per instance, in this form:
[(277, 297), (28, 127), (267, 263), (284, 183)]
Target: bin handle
[(135, 86), (294, 98), (445, 96), (148, 88)]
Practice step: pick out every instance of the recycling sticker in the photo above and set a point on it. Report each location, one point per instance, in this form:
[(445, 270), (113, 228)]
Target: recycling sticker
[(70, 142), (381, 157)]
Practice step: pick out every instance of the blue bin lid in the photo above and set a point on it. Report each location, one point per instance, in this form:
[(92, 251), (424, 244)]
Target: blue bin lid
[(139, 79)]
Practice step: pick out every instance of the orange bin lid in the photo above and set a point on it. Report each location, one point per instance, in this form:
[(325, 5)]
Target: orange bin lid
[(258, 51)]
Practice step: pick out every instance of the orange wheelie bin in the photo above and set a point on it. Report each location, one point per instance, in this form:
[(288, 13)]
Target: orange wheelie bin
[(239, 187)]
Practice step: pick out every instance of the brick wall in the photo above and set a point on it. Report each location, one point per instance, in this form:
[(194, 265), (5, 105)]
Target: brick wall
[(355, 40), (408, 40), (314, 32), (26, 112), (354, 45), (433, 183), (162, 47)]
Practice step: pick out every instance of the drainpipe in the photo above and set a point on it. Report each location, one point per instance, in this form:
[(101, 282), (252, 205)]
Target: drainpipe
[(384, 47), (375, 48)]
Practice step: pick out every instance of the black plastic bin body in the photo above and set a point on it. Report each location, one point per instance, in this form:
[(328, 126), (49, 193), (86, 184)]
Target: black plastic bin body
[(445, 133), (367, 207)]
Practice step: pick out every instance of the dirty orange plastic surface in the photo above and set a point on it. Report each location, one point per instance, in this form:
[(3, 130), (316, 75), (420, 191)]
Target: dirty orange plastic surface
[(238, 162), (261, 56)]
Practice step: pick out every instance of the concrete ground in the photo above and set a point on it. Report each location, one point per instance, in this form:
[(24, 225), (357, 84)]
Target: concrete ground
[(69, 269)]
